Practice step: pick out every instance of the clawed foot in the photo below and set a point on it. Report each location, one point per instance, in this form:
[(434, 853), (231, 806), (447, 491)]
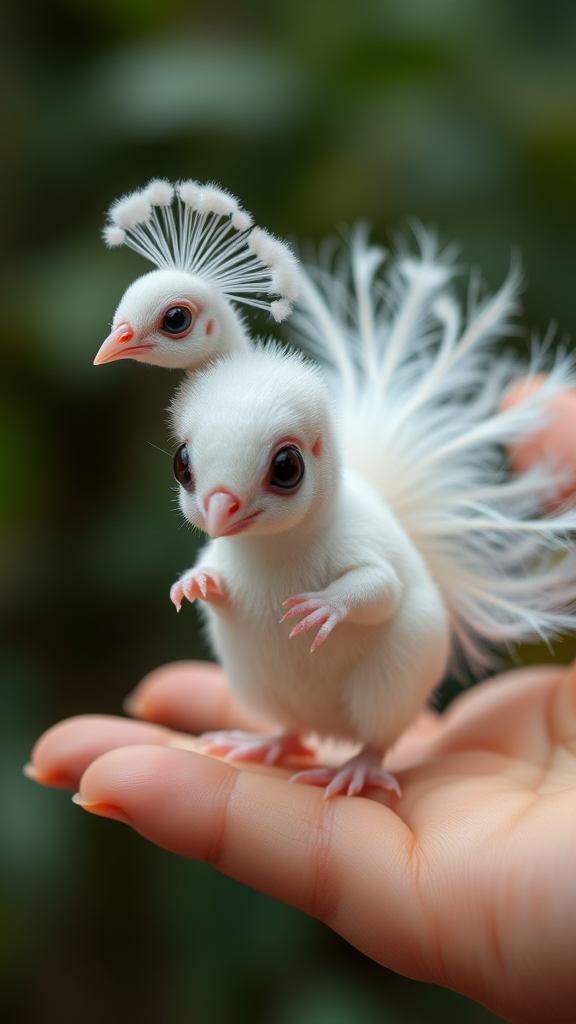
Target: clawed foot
[(359, 773), (201, 583), (248, 746), (319, 609)]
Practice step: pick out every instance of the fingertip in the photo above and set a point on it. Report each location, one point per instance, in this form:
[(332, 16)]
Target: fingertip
[(33, 774), (554, 440), (101, 810), (64, 751), (131, 704), (191, 696)]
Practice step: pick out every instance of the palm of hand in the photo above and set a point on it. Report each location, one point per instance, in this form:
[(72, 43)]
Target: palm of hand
[(467, 881)]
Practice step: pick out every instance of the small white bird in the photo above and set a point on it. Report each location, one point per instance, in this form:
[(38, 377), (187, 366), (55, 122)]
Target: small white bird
[(383, 517), (265, 479), (209, 258), (376, 506)]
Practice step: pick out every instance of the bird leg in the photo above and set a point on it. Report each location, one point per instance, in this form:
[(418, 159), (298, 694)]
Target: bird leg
[(200, 582), (235, 745), (364, 771)]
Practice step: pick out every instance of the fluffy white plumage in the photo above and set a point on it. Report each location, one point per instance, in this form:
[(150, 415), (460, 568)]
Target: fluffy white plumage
[(419, 395), (422, 537), (329, 545)]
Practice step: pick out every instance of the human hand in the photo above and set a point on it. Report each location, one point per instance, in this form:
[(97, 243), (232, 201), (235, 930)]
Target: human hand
[(467, 881)]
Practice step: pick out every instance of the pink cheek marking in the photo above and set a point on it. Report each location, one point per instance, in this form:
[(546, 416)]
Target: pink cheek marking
[(209, 327), (317, 447)]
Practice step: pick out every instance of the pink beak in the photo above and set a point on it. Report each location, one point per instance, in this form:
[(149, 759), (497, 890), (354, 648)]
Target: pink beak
[(220, 508), (117, 346)]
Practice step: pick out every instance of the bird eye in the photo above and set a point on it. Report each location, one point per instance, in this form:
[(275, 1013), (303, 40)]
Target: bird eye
[(287, 468), (176, 320), (182, 468)]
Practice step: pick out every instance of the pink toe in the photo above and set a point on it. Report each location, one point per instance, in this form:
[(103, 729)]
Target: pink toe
[(313, 777)]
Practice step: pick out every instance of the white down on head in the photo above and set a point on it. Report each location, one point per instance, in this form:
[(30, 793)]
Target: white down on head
[(209, 258), (234, 417)]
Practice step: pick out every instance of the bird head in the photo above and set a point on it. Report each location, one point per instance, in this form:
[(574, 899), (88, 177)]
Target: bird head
[(256, 449), (209, 258), (172, 318)]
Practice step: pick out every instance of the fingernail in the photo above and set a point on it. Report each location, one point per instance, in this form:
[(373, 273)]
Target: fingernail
[(101, 809), (31, 772), (132, 706), (77, 799)]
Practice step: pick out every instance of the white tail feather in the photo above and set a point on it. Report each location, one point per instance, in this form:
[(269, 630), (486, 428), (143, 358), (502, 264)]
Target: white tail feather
[(419, 399)]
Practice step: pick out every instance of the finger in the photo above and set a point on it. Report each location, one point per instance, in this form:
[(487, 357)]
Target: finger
[(62, 754), (557, 437), (345, 861), (563, 711), (410, 747), (508, 715), (191, 696)]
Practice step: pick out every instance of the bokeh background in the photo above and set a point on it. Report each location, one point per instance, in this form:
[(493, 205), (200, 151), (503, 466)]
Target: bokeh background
[(315, 112)]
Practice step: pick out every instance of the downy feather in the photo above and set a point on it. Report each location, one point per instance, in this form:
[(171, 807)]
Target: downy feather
[(419, 389)]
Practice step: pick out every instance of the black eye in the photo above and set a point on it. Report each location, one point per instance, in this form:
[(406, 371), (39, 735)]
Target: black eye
[(287, 468), (176, 320), (182, 468)]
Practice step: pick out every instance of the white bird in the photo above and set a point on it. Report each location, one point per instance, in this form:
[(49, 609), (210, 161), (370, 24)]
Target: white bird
[(209, 258), (376, 508)]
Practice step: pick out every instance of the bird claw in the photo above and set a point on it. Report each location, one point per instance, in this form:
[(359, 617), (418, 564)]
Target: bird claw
[(235, 745), (201, 583), (360, 773), (318, 609)]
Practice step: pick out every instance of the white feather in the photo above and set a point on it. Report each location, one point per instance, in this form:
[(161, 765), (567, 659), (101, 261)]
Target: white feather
[(160, 192), (419, 399), (131, 210), (114, 235)]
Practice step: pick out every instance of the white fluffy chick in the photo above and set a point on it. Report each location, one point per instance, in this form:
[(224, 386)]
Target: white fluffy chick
[(260, 472), (393, 527), (209, 258)]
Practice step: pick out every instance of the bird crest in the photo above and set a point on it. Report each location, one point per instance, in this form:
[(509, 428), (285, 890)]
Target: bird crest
[(203, 230)]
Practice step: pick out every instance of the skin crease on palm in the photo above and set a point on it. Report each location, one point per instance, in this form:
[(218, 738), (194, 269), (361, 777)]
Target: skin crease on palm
[(466, 881)]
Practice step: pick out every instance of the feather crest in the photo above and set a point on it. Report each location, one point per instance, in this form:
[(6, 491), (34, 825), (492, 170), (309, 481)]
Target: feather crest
[(208, 235)]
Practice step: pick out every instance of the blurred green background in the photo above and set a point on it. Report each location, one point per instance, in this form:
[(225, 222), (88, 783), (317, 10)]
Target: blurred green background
[(314, 112)]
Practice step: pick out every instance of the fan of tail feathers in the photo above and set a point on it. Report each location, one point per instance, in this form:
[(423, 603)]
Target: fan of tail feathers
[(418, 391), (202, 229)]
